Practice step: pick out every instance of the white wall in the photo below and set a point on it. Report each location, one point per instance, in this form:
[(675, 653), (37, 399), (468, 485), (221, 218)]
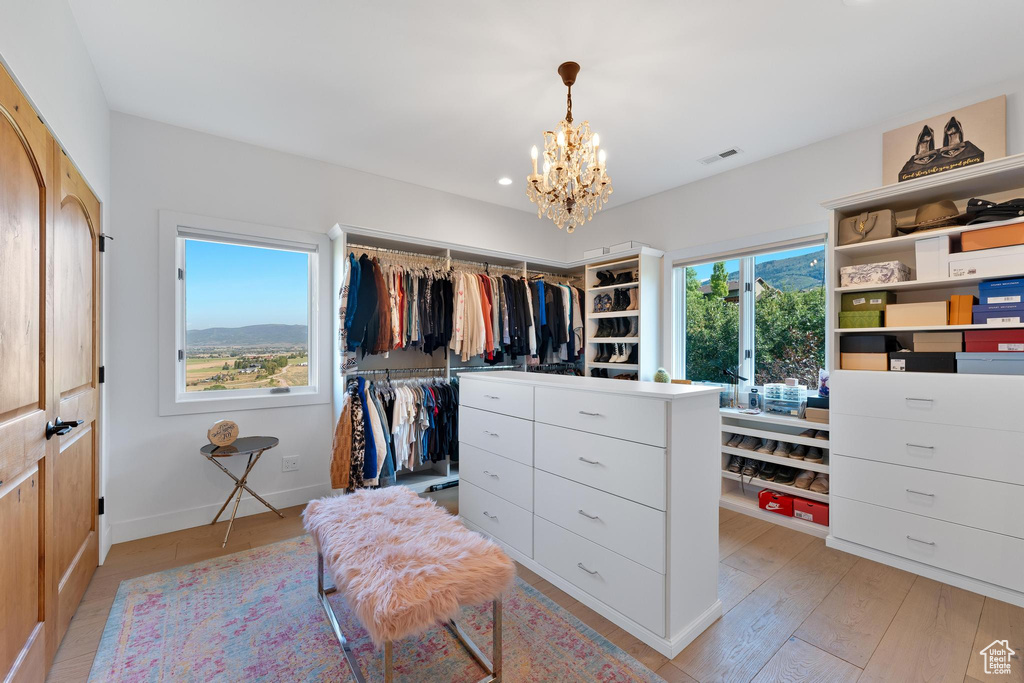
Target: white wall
[(157, 480), (778, 193)]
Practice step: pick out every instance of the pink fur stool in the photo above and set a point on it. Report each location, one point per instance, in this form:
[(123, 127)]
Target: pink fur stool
[(404, 564)]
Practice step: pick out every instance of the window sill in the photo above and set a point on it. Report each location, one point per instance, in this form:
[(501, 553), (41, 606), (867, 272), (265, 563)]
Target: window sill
[(228, 403)]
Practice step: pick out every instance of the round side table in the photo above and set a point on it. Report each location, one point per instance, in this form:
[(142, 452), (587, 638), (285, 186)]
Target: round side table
[(253, 446)]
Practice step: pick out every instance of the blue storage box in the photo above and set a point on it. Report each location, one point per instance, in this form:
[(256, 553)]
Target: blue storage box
[(1006, 314), (1002, 363), (1008, 283), (1009, 291)]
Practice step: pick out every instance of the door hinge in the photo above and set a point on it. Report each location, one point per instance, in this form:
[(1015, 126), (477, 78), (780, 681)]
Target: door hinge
[(181, 274), (99, 506), (181, 354), (103, 241), (103, 374)]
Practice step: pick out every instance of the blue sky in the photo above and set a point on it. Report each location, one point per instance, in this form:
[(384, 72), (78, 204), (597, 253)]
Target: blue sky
[(229, 285), (704, 271)]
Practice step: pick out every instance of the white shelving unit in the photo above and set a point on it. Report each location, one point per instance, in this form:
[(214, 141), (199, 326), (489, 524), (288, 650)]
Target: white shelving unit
[(739, 493), (646, 264)]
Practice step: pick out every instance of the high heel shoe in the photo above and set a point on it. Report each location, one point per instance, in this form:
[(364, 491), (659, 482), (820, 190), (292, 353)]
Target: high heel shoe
[(953, 134), (925, 141)]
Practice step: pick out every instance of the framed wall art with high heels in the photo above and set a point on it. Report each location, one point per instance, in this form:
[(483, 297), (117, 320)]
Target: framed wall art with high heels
[(945, 142)]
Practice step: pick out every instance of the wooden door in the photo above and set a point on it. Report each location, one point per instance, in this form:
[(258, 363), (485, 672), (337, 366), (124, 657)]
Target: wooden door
[(26, 400), (74, 468)]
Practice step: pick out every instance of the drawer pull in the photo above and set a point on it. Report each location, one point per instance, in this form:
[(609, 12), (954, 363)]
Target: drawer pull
[(921, 493), (588, 516), (489, 396), (491, 474), (590, 462), (918, 540), (583, 412), (495, 517), (580, 565), (917, 445), (923, 400), (490, 433)]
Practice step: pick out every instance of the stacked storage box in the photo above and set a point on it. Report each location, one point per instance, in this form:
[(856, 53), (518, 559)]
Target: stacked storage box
[(996, 351), (864, 309), (866, 351)]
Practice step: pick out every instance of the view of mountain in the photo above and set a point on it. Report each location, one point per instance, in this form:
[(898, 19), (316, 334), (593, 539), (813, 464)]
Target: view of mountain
[(794, 274), (250, 335)]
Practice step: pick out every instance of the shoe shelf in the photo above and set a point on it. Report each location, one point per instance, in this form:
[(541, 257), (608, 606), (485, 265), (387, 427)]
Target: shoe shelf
[(608, 288), (614, 314), (616, 366), (917, 328), (614, 340), (774, 435), (777, 459), (781, 488), (768, 418), (740, 503)]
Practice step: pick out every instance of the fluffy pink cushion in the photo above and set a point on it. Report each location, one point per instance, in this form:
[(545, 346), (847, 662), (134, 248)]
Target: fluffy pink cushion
[(403, 563)]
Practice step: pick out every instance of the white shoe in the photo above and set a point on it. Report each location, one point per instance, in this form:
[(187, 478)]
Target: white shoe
[(617, 356)]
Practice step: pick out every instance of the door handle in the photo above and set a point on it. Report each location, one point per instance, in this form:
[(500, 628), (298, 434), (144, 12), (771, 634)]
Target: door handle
[(59, 427)]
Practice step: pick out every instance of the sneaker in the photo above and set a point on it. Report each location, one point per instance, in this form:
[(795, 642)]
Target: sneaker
[(808, 433), (749, 443), (768, 471), (814, 454), (821, 435), (749, 467), (734, 440), (804, 479), (735, 463), (798, 452), (785, 475), (782, 450), (820, 484), (768, 447)]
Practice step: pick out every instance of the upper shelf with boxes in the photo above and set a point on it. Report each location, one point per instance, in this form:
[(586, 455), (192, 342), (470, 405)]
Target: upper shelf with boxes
[(929, 277)]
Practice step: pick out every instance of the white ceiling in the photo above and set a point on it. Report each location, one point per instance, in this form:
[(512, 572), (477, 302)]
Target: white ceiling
[(452, 94)]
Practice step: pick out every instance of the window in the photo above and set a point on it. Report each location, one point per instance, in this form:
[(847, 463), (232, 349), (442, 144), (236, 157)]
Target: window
[(761, 316), (244, 316)]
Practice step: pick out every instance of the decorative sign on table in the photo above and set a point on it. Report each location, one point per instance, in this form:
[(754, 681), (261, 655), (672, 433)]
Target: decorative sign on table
[(956, 139), (223, 433)]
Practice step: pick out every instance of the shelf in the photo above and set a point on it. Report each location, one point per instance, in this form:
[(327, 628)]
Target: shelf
[(419, 482), (739, 503), (605, 288), (777, 459), (614, 314), (614, 340), (781, 488), (925, 328), (613, 263), (615, 366), (789, 438), (906, 242), (912, 285), (735, 414)]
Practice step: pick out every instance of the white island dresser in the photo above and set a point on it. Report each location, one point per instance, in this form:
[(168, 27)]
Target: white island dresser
[(608, 489)]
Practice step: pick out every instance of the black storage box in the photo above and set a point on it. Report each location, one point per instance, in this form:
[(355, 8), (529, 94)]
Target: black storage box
[(868, 343), (922, 361), (817, 402)]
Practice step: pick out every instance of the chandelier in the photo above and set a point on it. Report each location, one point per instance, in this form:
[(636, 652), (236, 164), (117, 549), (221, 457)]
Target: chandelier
[(574, 184)]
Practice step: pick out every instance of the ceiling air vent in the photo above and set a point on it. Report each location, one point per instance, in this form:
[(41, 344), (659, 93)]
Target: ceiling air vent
[(731, 152)]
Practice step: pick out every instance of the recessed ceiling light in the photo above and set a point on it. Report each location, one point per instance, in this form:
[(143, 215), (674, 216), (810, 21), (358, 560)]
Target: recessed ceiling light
[(505, 181)]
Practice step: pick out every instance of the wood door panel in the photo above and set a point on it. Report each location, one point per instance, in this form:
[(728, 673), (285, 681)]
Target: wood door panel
[(20, 523), (20, 443), (72, 499), (73, 296)]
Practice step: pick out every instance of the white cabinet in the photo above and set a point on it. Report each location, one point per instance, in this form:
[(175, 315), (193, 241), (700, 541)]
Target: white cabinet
[(613, 467)]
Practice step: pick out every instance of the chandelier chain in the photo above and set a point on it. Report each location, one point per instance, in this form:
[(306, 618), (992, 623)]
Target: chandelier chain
[(568, 105)]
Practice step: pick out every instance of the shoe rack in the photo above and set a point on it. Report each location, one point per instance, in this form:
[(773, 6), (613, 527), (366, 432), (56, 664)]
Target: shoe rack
[(739, 492), (630, 332)]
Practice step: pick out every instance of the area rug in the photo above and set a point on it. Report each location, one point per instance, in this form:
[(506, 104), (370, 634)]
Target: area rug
[(254, 616)]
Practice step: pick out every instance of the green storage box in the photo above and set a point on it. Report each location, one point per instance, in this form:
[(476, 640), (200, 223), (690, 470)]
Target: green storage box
[(848, 319), (867, 301)]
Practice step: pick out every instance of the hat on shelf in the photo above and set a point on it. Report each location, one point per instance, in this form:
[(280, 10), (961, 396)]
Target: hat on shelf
[(932, 216)]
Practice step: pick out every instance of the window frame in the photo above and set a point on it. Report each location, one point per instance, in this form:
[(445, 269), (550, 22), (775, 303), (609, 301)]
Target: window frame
[(746, 255), (175, 229)]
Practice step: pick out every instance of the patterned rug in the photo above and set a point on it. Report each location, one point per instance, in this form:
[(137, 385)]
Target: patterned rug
[(254, 616)]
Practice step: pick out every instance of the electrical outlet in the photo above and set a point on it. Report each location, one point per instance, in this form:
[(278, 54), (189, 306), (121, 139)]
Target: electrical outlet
[(289, 463)]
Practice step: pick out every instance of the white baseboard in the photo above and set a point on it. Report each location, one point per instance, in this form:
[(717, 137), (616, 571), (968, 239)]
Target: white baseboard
[(106, 538), (141, 527)]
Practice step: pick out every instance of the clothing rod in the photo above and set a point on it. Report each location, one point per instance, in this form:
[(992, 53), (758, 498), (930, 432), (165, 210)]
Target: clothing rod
[(385, 250), (385, 371), (473, 368)]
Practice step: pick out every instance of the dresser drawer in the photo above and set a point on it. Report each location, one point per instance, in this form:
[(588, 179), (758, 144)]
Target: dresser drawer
[(498, 517), (982, 555), (623, 417), (506, 478), (624, 468), (501, 434), (620, 583), (938, 398), (978, 503), (497, 397), (988, 453), (628, 528)]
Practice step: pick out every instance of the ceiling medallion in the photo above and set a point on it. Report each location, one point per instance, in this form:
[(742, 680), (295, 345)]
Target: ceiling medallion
[(574, 184)]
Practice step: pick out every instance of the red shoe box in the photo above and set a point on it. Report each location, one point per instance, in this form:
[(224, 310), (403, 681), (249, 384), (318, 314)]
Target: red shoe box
[(772, 501), (988, 341), (811, 511)]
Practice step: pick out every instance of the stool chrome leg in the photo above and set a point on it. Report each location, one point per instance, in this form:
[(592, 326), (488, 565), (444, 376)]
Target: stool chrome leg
[(345, 647), (493, 669)]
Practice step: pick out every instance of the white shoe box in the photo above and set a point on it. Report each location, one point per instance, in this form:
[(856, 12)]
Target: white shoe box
[(932, 257), (987, 262)]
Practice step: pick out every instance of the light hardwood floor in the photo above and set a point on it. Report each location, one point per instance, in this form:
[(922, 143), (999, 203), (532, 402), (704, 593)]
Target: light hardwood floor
[(794, 609)]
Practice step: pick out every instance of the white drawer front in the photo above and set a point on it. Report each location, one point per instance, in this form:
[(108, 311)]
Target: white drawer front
[(501, 434), (620, 583), (509, 479), (627, 469), (983, 401), (628, 528), (977, 503), (987, 453), (978, 554), (497, 397), (624, 417), (498, 517)]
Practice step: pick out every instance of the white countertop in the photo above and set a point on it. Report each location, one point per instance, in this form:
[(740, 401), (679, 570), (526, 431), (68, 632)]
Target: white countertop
[(606, 386)]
